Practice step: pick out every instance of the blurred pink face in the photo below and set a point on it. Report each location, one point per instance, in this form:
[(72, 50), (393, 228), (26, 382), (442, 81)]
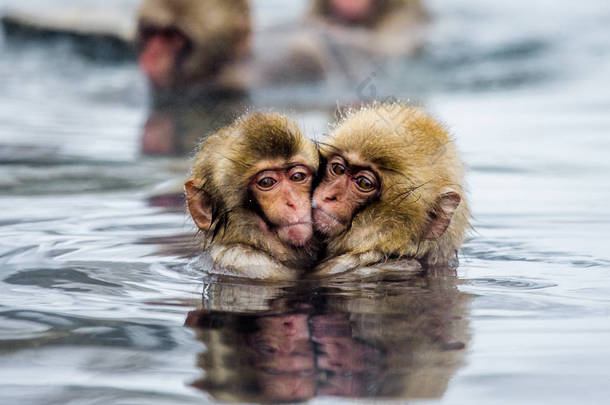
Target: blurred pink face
[(352, 9)]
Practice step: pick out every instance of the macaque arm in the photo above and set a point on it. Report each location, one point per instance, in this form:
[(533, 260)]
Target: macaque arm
[(441, 216), (244, 261), (346, 262), (364, 265), (399, 269)]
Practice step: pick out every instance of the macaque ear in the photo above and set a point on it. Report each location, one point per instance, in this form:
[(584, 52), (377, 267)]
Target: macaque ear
[(440, 217), (200, 205)]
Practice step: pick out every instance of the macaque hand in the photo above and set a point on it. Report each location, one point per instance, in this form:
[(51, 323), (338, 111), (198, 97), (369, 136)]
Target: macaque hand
[(345, 263)]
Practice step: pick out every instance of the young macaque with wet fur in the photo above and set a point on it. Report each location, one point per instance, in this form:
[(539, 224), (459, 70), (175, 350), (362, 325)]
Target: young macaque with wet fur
[(250, 194), (181, 42), (391, 187)]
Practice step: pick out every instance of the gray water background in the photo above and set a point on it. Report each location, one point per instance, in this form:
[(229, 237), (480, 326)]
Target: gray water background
[(93, 300)]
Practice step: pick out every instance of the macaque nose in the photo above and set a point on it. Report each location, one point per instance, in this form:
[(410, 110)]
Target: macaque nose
[(333, 192), (293, 201), (330, 197), (298, 205)]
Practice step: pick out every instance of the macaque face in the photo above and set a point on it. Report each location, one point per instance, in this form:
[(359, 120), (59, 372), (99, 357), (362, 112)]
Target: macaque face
[(283, 194), (347, 185), (352, 10), (161, 50), (284, 357)]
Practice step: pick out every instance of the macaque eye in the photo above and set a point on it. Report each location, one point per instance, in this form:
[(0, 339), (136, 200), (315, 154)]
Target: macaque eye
[(266, 182), (338, 169), (298, 177), (364, 184)]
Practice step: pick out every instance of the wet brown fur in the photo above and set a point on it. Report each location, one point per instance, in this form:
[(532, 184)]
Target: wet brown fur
[(218, 31), (384, 10), (417, 161), (222, 170)]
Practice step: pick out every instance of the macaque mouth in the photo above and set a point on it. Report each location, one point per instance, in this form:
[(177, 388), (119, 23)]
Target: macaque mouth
[(296, 233), (162, 51), (294, 224), (330, 216), (170, 33)]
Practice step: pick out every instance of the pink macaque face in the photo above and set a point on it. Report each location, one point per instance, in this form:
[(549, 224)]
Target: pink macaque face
[(353, 10)]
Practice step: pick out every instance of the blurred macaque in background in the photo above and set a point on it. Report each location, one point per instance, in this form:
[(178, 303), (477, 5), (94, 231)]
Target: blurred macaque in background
[(342, 39), (357, 33), (373, 14), (270, 343), (184, 42), (204, 58), (194, 55)]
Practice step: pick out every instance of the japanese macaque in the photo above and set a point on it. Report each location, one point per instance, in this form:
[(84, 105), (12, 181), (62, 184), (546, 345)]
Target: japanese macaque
[(345, 39), (391, 187), (250, 194), (383, 27), (181, 42), (368, 13)]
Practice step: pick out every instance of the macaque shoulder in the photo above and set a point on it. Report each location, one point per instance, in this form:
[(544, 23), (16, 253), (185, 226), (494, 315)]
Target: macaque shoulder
[(238, 260)]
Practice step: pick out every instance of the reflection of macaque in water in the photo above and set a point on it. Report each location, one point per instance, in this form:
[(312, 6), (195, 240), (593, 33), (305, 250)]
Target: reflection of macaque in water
[(350, 363), (405, 341), (267, 357), (282, 353), (175, 128)]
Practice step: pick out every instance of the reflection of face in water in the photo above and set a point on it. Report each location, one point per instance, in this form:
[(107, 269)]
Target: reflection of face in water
[(256, 358), (395, 339), (176, 125), (282, 351), (339, 352), (350, 364)]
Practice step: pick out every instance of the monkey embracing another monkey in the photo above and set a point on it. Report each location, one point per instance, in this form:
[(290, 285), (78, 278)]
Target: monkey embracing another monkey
[(392, 186), (250, 194)]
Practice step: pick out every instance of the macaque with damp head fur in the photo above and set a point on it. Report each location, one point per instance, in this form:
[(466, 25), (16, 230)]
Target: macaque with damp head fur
[(249, 193), (391, 187)]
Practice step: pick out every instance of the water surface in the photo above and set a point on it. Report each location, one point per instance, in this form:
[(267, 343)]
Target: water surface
[(97, 277)]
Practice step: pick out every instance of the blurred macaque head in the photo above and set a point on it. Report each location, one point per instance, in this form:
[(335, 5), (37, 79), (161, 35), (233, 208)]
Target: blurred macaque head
[(181, 41), (352, 10), (366, 13)]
